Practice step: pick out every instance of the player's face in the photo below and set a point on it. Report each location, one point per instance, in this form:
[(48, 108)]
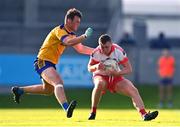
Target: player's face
[(75, 23), (106, 48)]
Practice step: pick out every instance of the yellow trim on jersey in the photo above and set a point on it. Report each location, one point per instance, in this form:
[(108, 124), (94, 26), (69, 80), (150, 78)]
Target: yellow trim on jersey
[(53, 46)]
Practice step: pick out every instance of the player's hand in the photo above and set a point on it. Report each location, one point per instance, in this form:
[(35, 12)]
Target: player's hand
[(100, 66), (112, 72), (88, 32)]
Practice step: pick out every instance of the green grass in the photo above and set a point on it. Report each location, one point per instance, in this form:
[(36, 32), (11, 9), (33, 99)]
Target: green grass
[(105, 117), (109, 101), (114, 110)]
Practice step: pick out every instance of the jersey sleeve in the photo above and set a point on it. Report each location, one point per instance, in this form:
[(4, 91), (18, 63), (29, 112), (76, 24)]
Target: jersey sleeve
[(122, 57), (94, 58), (61, 35)]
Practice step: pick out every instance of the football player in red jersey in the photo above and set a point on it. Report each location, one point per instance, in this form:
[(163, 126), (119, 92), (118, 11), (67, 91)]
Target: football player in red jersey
[(113, 80)]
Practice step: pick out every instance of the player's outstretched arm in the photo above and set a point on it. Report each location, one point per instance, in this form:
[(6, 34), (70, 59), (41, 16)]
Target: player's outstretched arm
[(83, 49), (76, 40)]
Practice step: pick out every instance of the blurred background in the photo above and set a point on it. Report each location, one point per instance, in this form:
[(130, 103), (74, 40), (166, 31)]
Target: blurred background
[(142, 28)]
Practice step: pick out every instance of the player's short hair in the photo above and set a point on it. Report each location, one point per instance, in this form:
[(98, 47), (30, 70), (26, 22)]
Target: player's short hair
[(103, 39), (71, 13)]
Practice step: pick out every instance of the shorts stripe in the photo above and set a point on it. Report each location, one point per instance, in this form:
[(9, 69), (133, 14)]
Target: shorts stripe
[(41, 65)]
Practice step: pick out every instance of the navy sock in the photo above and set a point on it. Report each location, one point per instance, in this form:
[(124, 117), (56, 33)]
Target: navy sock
[(20, 91), (65, 106)]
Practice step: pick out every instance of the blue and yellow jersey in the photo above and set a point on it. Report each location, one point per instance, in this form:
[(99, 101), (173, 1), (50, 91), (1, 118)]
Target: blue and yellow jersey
[(53, 45)]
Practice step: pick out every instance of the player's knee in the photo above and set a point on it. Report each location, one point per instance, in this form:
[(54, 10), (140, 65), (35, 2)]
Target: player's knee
[(49, 91), (56, 83), (59, 86)]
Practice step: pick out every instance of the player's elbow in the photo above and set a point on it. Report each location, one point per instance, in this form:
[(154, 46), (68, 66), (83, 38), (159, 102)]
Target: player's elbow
[(90, 69), (70, 44), (130, 70)]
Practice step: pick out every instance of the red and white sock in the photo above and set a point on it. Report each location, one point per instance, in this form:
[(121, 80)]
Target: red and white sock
[(142, 112), (93, 110)]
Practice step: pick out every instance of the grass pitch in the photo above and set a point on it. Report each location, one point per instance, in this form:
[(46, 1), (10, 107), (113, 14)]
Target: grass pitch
[(114, 110), (105, 117)]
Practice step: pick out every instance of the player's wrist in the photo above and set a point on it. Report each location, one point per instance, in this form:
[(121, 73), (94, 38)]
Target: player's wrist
[(84, 36)]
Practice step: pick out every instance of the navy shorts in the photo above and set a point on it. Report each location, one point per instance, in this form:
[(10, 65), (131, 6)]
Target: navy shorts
[(166, 81), (41, 65)]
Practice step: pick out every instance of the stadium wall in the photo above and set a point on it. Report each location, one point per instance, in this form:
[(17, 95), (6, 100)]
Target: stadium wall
[(18, 69)]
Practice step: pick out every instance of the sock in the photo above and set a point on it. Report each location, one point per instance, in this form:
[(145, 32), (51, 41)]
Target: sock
[(65, 106), (20, 91), (142, 112), (93, 110)]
